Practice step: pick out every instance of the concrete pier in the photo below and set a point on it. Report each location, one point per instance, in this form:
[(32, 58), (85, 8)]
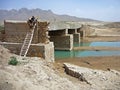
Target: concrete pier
[(76, 35), (62, 40)]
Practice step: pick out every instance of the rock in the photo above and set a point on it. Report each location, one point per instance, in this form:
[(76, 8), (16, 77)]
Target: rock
[(97, 79)]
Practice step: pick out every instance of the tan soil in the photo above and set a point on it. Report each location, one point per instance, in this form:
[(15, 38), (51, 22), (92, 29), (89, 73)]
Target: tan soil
[(104, 62)]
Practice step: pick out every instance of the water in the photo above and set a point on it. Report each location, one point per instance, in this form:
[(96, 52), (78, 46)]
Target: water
[(71, 54), (98, 53), (113, 44)]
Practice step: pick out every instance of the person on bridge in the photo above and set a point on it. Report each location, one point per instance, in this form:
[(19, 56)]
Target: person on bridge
[(32, 21)]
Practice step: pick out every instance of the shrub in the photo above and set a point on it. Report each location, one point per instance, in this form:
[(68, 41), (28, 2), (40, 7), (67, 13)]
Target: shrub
[(13, 61)]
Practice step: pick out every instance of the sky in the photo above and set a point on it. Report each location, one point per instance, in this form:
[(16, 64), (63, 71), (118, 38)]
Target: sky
[(104, 10)]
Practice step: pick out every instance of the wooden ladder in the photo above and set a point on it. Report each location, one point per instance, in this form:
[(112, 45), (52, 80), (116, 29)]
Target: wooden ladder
[(27, 41)]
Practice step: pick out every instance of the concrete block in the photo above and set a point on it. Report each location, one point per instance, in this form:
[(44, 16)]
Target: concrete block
[(62, 42)]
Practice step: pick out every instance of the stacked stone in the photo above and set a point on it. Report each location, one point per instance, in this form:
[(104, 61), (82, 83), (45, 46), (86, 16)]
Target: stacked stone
[(86, 30), (43, 32), (2, 36), (16, 31)]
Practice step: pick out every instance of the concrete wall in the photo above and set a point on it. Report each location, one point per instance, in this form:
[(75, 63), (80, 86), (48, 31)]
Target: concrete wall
[(64, 42), (45, 51)]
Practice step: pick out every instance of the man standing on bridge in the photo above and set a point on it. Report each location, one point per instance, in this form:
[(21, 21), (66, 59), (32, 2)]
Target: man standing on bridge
[(32, 21)]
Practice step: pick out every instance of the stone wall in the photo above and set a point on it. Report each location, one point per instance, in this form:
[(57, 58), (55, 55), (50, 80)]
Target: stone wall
[(43, 36), (86, 30), (16, 31), (2, 37), (76, 38), (64, 42), (45, 51)]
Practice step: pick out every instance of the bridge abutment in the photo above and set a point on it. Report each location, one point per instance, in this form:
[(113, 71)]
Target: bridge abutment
[(62, 40)]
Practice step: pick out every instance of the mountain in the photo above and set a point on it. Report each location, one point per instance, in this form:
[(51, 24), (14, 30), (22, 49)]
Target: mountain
[(24, 14)]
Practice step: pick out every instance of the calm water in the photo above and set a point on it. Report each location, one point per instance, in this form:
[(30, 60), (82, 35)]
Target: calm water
[(113, 44), (70, 54)]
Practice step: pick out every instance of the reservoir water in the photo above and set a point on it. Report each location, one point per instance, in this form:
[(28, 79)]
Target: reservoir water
[(71, 54)]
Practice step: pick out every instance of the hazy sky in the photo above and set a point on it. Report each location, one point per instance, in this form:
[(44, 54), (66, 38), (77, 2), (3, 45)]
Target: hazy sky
[(106, 10)]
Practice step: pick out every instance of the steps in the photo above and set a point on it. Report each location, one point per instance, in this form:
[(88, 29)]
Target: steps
[(27, 42)]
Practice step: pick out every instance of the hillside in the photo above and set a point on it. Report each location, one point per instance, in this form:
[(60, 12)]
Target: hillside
[(113, 25), (24, 14), (34, 73)]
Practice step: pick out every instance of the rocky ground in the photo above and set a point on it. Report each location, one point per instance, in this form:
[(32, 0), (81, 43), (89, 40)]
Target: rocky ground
[(30, 74), (35, 73), (97, 79)]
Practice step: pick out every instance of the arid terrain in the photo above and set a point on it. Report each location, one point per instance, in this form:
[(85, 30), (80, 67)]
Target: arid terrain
[(96, 73)]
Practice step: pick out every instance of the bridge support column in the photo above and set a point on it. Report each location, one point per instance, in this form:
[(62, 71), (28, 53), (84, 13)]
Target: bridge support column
[(76, 35), (62, 40)]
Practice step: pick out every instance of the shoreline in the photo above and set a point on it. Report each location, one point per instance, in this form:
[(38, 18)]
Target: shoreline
[(99, 62), (96, 62)]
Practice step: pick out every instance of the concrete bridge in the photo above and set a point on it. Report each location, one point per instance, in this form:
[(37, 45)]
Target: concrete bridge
[(65, 34), (64, 38)]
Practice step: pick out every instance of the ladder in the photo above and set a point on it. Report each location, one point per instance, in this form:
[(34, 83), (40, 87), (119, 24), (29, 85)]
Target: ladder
[(27, 41)]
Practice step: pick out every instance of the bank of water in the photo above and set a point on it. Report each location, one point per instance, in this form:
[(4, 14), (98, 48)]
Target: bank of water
[(71, 54)]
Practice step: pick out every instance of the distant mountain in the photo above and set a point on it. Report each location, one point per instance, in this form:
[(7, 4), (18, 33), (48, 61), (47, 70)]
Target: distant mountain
[(24, 14)]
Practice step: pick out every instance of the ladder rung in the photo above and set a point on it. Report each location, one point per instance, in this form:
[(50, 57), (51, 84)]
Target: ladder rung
[(27, 42)]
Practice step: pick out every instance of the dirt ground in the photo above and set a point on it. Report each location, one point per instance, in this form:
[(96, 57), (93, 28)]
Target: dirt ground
[(104, 62)]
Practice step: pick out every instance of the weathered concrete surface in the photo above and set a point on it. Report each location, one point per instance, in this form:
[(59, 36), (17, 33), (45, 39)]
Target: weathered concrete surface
[(64, 42), (98, 79), (63, 25), (76, 38), (59, 32), (45, 51)]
